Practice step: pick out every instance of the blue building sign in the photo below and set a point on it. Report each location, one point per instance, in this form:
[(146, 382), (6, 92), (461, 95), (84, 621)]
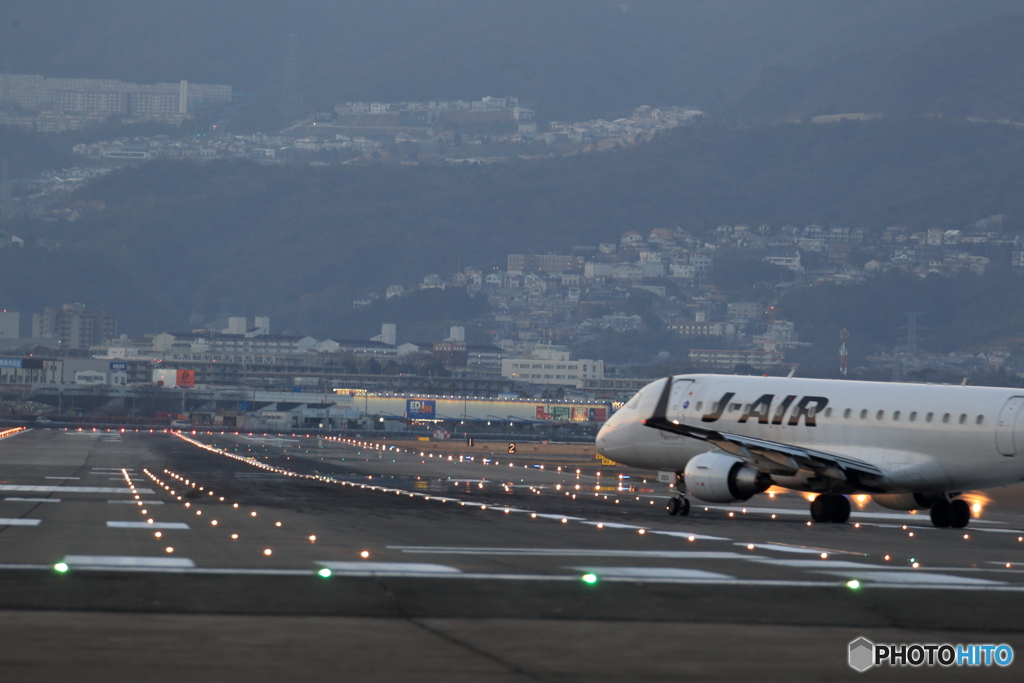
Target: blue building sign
[(10, 362), (118, 365), (420, 409)]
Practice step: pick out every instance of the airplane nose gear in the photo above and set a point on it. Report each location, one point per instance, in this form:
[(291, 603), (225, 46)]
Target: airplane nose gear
[(946, 513), (830, 507)]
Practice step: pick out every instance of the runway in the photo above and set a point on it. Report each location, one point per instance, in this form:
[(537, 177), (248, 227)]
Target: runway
[(384, 560)]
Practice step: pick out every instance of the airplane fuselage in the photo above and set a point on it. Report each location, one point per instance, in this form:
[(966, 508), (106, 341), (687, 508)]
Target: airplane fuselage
[(924, 438)]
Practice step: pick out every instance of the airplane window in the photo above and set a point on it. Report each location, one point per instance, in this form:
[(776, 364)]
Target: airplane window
[(746, 407), (929, 418), (963, 418), (913, 416), (846, 413), (896, 415), (863, 414), (979, 419), (714, 407), (880, 414), (699, 405), (828, 412), (945, 419)]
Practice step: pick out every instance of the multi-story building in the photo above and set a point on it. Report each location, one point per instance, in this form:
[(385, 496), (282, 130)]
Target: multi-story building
[(74, 325), (551, 365), (106, 97)]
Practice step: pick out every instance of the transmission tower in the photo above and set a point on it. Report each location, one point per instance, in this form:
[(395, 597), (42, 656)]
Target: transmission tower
[(5, 192), (291, 76)]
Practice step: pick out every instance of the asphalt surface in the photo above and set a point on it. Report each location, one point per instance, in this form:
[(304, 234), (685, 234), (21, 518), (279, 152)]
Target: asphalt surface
[(319, 558)]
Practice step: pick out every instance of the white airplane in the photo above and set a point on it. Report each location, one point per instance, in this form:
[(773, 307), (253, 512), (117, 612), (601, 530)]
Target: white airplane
[(911, 446)]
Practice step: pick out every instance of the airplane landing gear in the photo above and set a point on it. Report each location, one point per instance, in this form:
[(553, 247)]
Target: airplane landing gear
[(946, 513), (678, 506), (830, 507)]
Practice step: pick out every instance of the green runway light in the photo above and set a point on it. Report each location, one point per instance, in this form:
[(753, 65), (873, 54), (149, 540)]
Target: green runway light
[(589, 579), (325, 573), (853, 584), (61, 567)]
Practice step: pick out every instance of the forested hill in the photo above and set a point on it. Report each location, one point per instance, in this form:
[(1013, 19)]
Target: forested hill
[(298, 242), (568, 60)]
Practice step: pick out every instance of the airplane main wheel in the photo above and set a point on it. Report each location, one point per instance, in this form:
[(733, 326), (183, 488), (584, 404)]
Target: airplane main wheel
[(942, 513), (821, 508), (960, 514), (684, 508), (840, 510), (673, 506)]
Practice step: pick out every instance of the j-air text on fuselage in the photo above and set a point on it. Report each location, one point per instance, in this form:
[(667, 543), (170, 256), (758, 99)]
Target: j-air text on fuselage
[(727, 438)]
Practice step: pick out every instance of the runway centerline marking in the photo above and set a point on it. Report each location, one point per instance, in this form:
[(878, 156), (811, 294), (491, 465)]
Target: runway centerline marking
[(799, 549), (70, 489), (33, 500), (574, 552), (652, 573), (19, 521), (390, 567), (136, 502), (147, 525), (63, 478), (122, 561), (915, 577)]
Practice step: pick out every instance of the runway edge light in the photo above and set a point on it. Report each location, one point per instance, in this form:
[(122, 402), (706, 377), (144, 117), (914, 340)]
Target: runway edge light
[(589, 579)]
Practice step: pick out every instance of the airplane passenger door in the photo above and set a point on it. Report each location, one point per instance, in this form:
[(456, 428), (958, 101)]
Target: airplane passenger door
[(678, 401), (1008, 418)]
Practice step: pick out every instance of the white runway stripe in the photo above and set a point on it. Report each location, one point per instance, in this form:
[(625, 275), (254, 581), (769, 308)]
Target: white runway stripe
[(389, 568), (652, 573), (147, 525), (800, 550), (121, 561), (63, 478), (687, 535), (70, 489), (33, 500), (915, 577), (817, 564), (575, 552), (136, 502), (19, 522)]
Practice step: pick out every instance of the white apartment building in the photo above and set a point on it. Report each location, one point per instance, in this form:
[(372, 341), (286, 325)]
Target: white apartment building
[(551, 366)]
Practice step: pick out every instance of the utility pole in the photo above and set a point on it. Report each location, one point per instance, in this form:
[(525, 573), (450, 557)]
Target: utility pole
[(843, 336)]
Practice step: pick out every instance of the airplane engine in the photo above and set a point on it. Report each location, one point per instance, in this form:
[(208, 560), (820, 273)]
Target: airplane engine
[(906, 501), (720, 478)]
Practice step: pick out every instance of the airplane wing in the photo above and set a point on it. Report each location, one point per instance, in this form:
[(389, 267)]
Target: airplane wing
[(772, 457)]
